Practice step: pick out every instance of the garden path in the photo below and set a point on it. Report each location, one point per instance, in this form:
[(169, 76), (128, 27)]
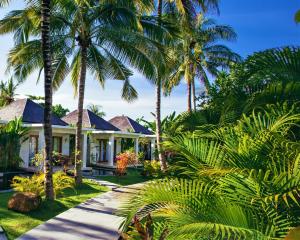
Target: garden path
[(93, 219)]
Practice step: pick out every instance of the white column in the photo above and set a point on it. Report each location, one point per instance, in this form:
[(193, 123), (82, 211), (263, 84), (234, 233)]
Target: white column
[(152, 148), (84, 151), (136, 146), (41, 143), (111, 143)]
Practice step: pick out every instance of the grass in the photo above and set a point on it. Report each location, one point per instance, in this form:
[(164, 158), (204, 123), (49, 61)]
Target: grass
[(133, 176), (15, 224)]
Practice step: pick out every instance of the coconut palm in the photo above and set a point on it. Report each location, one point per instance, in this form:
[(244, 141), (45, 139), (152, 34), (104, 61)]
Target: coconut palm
[(8, 92), (199, 52), (99, 38), (187, 12), (44, 30), (241, 182), (97, 109)]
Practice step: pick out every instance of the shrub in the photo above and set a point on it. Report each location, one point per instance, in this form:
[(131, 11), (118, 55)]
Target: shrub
[(35, 183), (152, 168), (123, 160)]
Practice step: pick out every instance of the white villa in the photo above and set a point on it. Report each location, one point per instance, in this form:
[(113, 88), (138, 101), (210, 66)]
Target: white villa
[(102, 140)]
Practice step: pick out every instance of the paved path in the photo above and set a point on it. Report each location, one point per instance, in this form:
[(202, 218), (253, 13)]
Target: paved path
[(93, 219)]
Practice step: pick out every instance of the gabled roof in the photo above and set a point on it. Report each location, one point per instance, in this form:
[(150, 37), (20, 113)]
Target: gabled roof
[(90, 120), (126, 124), (29, 111)]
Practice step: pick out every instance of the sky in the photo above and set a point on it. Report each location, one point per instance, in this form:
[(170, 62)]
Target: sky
[(260, 24)]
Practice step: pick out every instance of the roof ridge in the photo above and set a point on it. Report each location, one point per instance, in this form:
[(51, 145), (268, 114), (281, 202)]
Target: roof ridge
[(88, 115), (23, 110), (128, 119)]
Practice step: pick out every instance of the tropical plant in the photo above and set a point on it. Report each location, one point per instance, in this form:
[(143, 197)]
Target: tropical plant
[(41, 22), (165, 9), (297, 16), (123, 160), (11, 136), (59, 110), (97, 109), (199, 52), (239, 182), (8, 92), (35, 183), (99, 37)]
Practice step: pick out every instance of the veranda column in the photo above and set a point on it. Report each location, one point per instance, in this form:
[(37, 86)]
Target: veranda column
[(136, 146), (152, 148), (84, 151), (41, 144), (111, 147)]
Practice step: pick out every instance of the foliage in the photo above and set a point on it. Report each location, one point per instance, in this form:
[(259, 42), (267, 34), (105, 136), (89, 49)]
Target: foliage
[(152, 168), (8, 92), (123, 160), (143, 231), (11, 136), (59, 110), (35, 183), (97, 109), (238, 181), (297, 16)]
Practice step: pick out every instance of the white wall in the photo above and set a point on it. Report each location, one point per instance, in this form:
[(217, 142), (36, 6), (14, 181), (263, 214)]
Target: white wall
[(24, 153)]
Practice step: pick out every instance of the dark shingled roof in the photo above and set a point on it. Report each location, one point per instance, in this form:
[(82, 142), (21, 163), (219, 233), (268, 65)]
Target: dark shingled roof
[(29, 111), (90, 120), (126, 124)]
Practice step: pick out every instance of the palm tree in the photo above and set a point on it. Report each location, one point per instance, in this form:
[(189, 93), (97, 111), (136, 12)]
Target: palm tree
[(99, 39), (297, 16), (8, 92), (44, 29), (97, 109), (186, 10), (199, 53)]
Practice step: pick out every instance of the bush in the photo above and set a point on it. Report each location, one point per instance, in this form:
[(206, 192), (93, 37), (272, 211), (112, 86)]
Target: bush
[(123, 160), (35, 183), (152, 168)]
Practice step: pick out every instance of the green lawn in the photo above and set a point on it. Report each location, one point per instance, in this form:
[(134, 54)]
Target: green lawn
[(133, 176), (16, 224)]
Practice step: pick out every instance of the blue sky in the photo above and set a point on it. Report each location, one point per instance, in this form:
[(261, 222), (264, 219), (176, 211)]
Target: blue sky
[(260, 24)]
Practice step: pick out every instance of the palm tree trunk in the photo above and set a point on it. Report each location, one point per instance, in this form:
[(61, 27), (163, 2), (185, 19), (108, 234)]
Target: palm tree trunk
[(46, 48), (189, 95), (161, 156), (78, 147), (194, 94)]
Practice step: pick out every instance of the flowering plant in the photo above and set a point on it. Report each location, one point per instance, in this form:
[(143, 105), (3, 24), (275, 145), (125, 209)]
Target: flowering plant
[(123, 160)]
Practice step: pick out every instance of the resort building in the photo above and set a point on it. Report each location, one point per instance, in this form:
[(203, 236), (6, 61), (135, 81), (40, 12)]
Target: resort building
[(101, 140)]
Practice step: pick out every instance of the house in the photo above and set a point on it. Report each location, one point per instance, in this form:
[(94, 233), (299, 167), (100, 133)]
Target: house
[(101, 140)]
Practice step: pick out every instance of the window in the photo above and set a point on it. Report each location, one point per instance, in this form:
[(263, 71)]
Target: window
[(57, 144), (33, 147)]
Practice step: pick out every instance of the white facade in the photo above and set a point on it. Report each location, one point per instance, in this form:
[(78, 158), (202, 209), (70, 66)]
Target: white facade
[(98, 146)]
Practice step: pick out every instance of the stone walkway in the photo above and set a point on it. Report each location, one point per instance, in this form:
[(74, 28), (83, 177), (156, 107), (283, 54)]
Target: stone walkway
[(93, 219)]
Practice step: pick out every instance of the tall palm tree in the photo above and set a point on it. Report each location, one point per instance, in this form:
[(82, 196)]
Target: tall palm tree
[(44, 29), (199, 53), (8, 92), (187, 10), (99, 38)]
